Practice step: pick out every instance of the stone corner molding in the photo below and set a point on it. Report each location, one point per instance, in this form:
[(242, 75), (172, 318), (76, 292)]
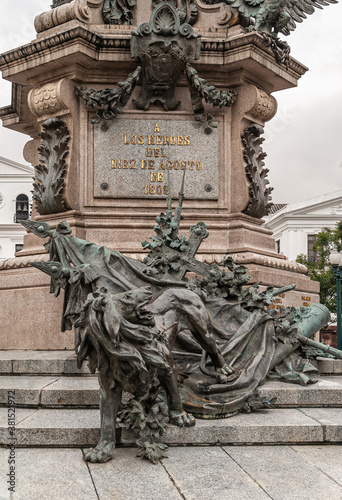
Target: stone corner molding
[(14, 108), (76, 9)]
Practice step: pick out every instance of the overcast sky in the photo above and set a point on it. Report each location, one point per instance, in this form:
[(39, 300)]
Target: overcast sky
[(303, 141)]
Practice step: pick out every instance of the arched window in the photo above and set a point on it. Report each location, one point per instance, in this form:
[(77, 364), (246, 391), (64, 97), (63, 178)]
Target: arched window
[(22, 208)]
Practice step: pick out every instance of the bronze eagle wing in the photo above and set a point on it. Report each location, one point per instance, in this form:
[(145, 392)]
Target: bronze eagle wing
[(273, 16)]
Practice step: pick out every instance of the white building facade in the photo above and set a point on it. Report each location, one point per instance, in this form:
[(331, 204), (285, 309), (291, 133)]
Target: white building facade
[(295, 225), (15, 203)]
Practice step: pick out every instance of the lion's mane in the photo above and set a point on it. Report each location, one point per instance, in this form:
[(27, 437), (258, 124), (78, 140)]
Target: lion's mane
[(111, 343)]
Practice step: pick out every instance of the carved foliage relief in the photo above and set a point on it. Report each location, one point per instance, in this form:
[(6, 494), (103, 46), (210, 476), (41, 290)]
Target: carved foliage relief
[(49, 184), (253, 154)]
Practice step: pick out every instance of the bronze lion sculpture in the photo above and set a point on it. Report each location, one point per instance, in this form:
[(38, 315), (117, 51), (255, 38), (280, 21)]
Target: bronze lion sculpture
[(128, 337)]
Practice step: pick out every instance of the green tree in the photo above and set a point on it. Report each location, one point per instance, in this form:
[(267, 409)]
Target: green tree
[(327, 241)]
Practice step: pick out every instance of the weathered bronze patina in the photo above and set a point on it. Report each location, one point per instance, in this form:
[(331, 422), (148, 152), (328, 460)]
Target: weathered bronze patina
[(118, 11), (206, 344), (253, 154), (49, 181), (274, 16), (163, 47)]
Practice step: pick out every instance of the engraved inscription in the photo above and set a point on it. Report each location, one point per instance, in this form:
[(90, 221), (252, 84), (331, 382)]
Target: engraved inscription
[(146, 158), (278, 303)]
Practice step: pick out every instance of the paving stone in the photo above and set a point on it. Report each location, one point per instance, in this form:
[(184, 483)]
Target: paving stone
[(59, 428), (326, 392), (327, 458), (264, 426), (71, 391), (43, 474), (330, 419), (207, 472), (27, 389), (283, 473), (128, 477)]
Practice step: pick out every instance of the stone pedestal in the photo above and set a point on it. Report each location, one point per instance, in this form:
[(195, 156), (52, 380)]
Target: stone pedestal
[(117, 173)]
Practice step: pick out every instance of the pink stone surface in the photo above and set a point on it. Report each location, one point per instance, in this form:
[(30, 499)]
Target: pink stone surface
[(231, 58)]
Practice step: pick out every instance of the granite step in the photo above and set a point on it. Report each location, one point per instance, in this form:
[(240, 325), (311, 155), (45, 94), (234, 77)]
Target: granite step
[(82, 392), (41, 363), (68, 427), (49, 391), (64, 363)]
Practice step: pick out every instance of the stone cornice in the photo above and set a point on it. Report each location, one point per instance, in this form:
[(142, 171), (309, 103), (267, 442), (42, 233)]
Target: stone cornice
[(77, 33), (115, 39), (248, 258), (14, 108)]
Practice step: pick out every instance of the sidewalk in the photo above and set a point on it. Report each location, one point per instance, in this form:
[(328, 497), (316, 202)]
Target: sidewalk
[(305, 472)]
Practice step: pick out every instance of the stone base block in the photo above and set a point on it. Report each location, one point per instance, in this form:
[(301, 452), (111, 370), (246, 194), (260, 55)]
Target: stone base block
[(30, 317)]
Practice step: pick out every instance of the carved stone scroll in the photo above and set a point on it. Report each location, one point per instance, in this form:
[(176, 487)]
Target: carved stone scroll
[(87, 11), (221, 15), (260, 199), (265, 107), (49, 184), (49, 99)]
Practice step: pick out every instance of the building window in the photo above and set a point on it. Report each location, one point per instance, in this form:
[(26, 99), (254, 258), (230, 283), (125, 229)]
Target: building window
[(22, 208), (312, 255), (278, 246), (18, 247)]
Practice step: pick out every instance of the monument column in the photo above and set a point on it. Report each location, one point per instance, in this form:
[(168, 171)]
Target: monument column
[(111, 178)]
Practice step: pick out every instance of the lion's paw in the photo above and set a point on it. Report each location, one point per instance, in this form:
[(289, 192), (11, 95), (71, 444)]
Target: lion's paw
[(226, 374), (101, 453), (182, 419)]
